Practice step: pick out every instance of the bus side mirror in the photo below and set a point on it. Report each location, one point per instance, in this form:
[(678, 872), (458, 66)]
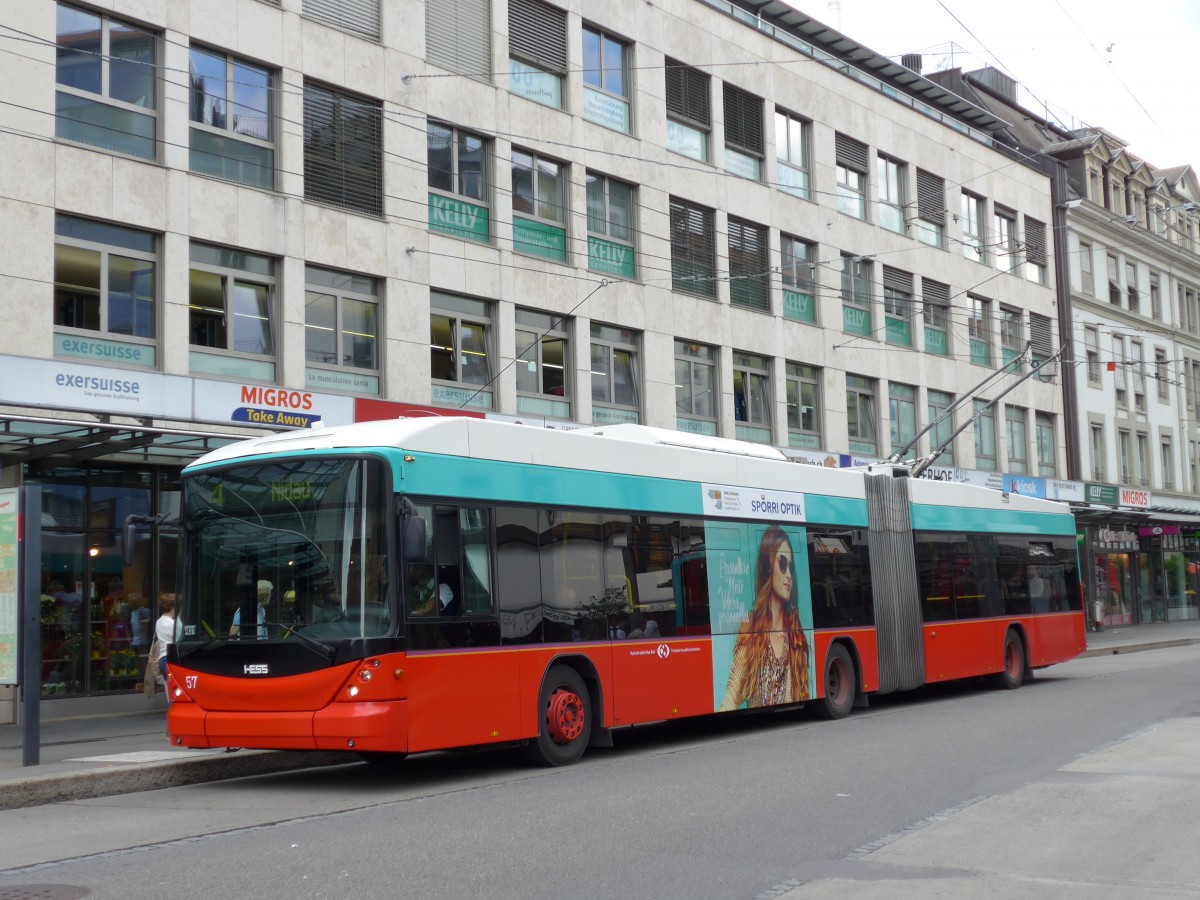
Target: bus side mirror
[(414, 538)]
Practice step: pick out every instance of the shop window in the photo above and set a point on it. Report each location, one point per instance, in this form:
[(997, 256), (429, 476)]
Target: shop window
[(341, 331), (232, 313), (543, 364), (615, 384), (105, 287), (695, 388)]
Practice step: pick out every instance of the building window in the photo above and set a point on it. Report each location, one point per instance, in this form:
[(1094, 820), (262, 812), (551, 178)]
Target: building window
[(803, 406), (695, 388), (898, 306), (1137, 368), (543, 364), (460, 358), (1189, 312), (937, 316), (1035, 250), (1012, 336), (1018, 441), (973, 211), (459, 182), (1114, 281), (862, 416), (798, 261), (611, 218), (1158, 218), (791, 154), (539, 207), (1119, 363), (979, 330), (1161, 372), (1145, 476), (107, 74), (1087, 282), (232, 313), (458, 37), (1046, 456), (343, 149), (1041, 343), (537, 44), (1091, 338), (856, 295), (341, 331), (891, 176), (1004, 225), (689, 110), (902, 414), (605, 80), (931, 209), (693, 249), (105, 284), (749, 265), (358, 17), (1097, 442), (937, 404), (1167, 463), (1125, 453), (614, 375), (752, 397), (1155, 298), (232, 134), (1131, 288), (744, 140), (851, 158), (985, 435)]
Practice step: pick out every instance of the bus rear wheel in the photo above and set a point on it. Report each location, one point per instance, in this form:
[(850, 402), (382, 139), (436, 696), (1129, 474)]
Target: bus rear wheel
[(839, 684), (1012, 675), (564, 719)]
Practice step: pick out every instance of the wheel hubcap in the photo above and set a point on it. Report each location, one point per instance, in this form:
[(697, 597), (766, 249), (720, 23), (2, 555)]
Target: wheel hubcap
[(564, 716)]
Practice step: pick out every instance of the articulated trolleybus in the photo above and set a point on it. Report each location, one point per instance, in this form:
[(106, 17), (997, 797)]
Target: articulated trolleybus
[(411, 585)]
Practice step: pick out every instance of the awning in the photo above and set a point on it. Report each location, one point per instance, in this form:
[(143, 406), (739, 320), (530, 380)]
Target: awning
[(30, 439)]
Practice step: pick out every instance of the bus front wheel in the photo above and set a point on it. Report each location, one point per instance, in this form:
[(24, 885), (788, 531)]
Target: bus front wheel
[(564, 719), (1012, 675), (839, 684)]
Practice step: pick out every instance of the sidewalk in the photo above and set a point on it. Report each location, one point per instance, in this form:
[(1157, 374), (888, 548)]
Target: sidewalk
[(101, 755)]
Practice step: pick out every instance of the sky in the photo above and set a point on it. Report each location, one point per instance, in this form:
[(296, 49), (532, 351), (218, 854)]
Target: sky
[(1125, 67)]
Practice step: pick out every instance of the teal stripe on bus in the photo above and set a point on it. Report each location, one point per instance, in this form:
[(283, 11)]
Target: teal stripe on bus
[(494, 481), (998, 521)]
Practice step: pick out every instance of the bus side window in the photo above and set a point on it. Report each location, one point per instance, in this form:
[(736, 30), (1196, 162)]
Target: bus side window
[(447, 556), (477, 569)]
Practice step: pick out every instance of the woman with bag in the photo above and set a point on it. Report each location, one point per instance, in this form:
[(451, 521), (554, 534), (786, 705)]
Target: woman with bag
[(166, 631)]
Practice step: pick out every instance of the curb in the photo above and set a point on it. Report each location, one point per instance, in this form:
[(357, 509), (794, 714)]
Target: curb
[(39, 790), (1134, 648)]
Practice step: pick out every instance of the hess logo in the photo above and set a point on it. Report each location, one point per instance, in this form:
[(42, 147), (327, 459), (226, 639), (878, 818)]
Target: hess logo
[(254, 669)]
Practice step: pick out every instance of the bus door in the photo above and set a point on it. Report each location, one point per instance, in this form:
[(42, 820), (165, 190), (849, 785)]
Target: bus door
[(461, 689)]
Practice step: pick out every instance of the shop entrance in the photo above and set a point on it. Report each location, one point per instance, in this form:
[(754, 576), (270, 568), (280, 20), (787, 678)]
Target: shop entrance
[(97, 615)]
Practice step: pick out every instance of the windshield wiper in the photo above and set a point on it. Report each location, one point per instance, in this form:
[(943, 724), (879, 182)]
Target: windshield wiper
[(294, 631)]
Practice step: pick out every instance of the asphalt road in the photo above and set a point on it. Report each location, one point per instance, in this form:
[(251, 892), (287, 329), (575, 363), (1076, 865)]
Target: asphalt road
[(725, 808)]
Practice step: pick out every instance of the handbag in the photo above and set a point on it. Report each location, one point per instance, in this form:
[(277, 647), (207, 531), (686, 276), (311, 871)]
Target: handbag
[(150, 677)]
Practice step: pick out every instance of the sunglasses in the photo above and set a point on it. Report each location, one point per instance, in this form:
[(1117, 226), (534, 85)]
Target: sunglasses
[(784, 564)]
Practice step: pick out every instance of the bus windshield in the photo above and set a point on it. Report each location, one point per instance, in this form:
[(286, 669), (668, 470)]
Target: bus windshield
[(292, 549)]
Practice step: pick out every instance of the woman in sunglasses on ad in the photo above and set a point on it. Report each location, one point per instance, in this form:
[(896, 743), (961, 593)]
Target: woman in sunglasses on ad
[(770, 656)]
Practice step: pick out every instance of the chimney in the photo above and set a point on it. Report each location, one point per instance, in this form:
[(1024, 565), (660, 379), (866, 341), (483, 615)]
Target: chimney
[(911, 61), (996, 81)]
